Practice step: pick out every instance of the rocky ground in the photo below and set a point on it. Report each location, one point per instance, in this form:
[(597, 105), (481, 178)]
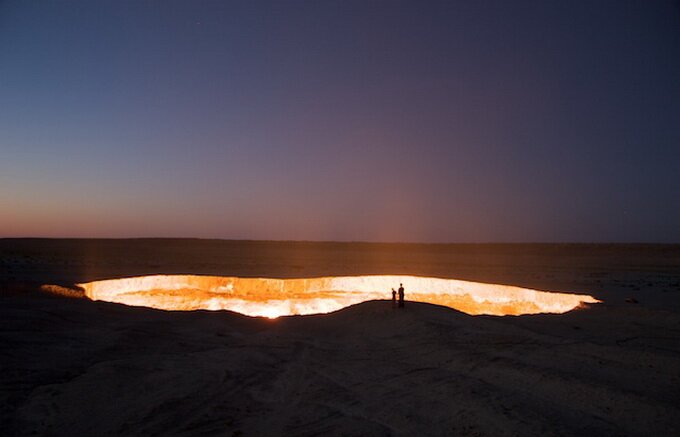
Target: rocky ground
[(75, 367)]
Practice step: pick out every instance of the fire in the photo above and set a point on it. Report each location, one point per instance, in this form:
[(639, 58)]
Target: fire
[(281, 297)]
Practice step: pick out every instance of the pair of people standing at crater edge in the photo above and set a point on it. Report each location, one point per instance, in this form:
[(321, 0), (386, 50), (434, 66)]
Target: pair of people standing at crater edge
[(401, 296)]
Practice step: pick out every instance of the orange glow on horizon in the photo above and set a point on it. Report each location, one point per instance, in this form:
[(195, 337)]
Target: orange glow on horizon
[(272, 298)]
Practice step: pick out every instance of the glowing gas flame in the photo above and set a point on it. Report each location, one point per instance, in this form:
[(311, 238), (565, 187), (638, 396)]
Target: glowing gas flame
[(279, 297)]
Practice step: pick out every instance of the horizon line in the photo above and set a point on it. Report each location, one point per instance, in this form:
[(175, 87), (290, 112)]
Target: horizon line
[(246, 240)]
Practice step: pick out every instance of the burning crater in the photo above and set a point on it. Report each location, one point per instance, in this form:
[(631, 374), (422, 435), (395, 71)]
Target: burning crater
[(282, 297)]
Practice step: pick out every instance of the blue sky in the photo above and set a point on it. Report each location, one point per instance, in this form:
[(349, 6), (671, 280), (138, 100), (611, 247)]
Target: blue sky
[(350, 120)]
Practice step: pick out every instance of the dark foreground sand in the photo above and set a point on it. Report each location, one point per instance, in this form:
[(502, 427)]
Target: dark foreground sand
[(75, 367)]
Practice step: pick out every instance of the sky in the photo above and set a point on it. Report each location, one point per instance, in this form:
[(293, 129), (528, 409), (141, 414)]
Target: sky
[(420, 121)]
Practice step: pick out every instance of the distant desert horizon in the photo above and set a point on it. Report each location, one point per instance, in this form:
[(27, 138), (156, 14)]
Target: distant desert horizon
[(349, 241)]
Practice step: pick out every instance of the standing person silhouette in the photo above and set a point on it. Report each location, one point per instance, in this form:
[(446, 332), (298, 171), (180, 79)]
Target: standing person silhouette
[(394, 298), (401, 295)]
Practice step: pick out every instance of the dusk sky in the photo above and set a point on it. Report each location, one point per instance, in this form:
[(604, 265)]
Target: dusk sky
[(470, 121)]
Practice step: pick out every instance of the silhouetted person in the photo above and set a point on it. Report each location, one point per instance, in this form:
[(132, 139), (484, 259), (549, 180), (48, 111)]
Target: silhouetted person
[(394, 298), (401, 295)]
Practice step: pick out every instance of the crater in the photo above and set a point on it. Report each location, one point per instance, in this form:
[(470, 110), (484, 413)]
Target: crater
[(272, 298)]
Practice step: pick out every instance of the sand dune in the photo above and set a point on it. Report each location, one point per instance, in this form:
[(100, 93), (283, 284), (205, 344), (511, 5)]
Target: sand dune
[(102, 369)]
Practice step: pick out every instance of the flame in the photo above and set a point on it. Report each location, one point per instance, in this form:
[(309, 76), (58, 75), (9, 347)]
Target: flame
[(266, 297)]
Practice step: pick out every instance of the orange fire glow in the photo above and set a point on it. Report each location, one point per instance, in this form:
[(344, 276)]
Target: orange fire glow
[(280, 297)]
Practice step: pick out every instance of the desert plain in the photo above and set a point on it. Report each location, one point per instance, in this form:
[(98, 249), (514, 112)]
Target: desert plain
[(73, 366)]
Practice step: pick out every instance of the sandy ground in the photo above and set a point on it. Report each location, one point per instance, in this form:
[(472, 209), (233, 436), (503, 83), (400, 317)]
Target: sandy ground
[(75, 367)]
